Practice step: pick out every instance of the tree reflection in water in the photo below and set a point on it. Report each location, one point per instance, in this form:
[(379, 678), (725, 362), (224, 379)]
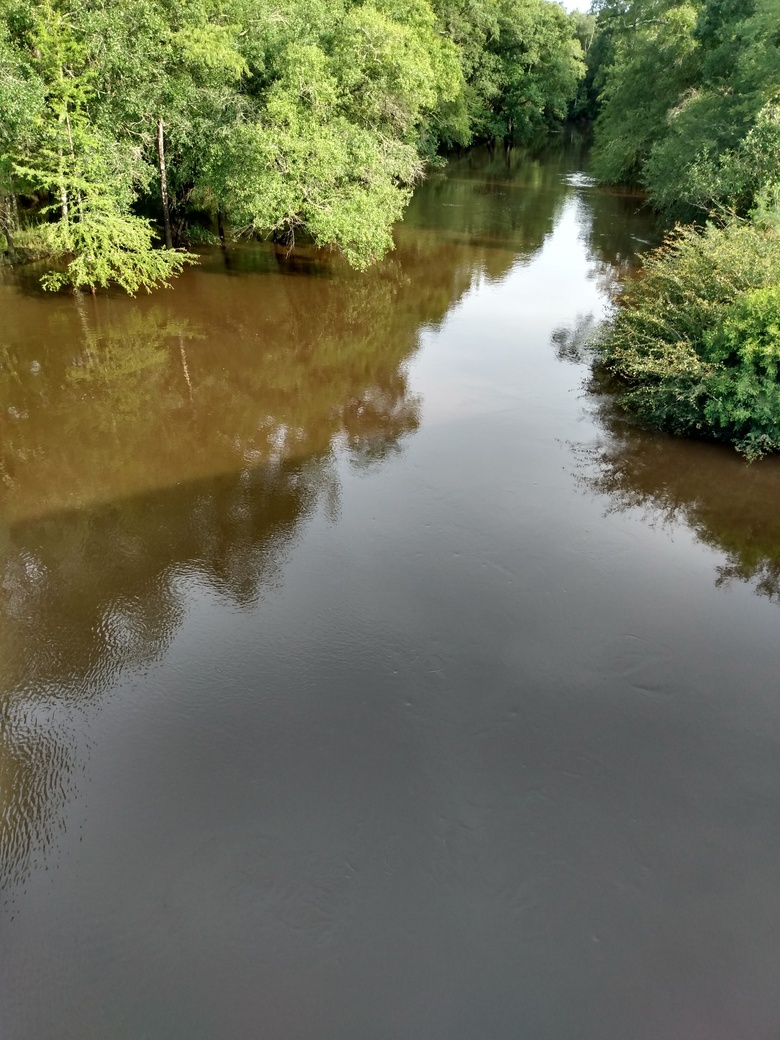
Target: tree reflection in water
[(730, 505), (150, 455), (151, 445)]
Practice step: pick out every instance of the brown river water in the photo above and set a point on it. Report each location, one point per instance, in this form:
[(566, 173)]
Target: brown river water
[(362, 675)]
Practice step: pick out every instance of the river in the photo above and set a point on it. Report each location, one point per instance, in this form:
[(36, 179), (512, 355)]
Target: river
[(362, 675)]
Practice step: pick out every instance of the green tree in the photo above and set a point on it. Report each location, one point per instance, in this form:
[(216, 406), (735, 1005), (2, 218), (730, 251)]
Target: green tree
[(90, 179), (655, 62), (22, 97), (521, 60), (695, 138), (713, 148), (541, 61), (170, 79), (334, 148)]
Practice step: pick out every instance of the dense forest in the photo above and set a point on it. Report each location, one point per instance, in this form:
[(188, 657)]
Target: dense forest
[(687, 104), (132, 121)]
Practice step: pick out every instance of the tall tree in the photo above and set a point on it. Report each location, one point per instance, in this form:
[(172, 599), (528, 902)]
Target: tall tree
[(86, 174), (701, 137)]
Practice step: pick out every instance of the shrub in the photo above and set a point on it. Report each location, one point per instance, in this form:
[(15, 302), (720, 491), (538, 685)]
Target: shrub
[(695, 339), (107, 247)]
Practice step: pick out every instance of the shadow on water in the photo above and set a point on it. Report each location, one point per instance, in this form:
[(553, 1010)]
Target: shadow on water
[(90, 595)]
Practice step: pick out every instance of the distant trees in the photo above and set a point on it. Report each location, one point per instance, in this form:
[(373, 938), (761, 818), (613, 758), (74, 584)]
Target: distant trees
[(272, 117), (689, 105), (521, 64)]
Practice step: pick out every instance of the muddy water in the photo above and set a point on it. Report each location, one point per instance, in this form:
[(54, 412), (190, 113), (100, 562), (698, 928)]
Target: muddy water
[(363, 677)]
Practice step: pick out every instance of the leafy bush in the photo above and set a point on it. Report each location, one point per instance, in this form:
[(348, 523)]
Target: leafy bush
[(106, 247), (695, 339)]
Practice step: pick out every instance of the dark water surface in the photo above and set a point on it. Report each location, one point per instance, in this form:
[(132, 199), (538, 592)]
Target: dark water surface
[(361, 677)]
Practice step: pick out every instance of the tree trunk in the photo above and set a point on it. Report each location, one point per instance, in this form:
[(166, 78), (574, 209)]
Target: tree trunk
[(65, 207), (7, 226), (73, 157), (164, 184)]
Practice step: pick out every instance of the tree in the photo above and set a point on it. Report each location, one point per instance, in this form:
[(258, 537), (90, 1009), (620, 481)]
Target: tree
[(89, 179), (521, 60), (21, 103), (334, 150), (695, 139), (652, 35), (541, 65), (711, 153), (280, 117)]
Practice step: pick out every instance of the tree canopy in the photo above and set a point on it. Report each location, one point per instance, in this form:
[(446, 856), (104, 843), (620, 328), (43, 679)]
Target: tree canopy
[(690, 102), (123, 121)]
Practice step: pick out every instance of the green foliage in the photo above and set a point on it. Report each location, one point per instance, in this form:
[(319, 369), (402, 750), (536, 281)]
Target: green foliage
[(333, 150), (541, 62), (305, 165), (275, 117), (21, 97), (32, 244), (654, 64), (86, 176), (521, 60), (695, 342), (110, 248), (689, 102), (739, 179), (592, 43)]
